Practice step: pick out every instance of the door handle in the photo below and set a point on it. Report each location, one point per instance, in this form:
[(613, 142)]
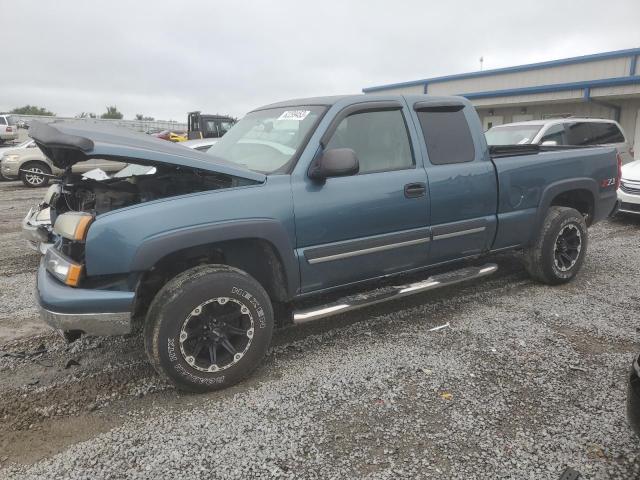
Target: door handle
[(415, 190)]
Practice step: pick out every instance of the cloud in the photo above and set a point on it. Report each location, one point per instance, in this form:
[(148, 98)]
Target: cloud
[(164, 58)]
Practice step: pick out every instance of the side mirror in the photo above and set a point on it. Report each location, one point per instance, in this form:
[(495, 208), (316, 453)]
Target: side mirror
[(549, 143), (335, 162)]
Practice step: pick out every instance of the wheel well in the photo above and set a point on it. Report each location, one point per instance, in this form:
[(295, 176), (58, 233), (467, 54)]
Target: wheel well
[(257, 257), (35, 162), (581, 199)]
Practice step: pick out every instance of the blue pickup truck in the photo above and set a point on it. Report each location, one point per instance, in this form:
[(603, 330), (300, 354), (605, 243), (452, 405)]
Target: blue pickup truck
[(299, 201)]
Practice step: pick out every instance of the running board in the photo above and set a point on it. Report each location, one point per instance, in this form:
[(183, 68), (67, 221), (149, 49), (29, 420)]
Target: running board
[(354, 302)]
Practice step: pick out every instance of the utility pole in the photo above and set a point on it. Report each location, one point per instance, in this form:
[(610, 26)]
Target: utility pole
[(481, 62)]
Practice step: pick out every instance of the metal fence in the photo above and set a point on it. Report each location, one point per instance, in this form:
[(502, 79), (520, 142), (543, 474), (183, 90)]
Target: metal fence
[(146, 126)]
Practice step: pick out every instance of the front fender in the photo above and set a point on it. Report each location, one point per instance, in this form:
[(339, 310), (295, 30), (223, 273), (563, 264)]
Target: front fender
[(156, 247), (134, 238)]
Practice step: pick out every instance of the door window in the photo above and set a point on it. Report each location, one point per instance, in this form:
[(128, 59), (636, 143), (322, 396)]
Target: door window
[(447, 135), (578, 133), (379, 139), (555, 133)]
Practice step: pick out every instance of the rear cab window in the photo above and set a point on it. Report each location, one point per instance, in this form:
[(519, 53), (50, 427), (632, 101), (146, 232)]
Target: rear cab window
[(3, 121), (446, 134)]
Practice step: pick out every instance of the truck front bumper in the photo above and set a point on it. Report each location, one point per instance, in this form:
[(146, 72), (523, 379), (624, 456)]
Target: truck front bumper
[(93, 312)]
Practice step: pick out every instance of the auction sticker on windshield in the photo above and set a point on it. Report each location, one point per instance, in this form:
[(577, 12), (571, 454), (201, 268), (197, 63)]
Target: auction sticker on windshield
[(298, 115)]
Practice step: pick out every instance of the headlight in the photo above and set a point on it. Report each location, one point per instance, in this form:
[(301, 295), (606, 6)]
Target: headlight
[(73, 225), (51, 191), (10, 158), (63, 268)]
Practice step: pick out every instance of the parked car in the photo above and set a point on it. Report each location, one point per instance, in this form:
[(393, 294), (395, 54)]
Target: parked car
[(629, 191), (206, 255), (8, 131), (201, 145), (563, 131), (6, 151), (172, 136), (178, 137), (162, 134), (33, 167), (22, 124)]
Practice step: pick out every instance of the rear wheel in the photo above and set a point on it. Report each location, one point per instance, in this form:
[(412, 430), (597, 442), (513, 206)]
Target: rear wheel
[(558, 252), (33, 176), (208, 328)]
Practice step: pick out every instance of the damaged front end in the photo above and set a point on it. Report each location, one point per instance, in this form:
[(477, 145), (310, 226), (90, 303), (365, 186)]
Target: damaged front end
[(128, 187), (70, 299), (155, 170)]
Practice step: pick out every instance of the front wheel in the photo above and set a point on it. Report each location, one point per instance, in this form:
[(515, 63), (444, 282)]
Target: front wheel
[(208, 328), (33, 177), (558, 252)]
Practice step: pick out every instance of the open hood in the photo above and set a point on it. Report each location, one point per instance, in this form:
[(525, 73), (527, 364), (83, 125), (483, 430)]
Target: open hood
[(68, 142)]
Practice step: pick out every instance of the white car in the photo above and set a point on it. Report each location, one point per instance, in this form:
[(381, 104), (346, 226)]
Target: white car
[(629, 191), (8, 151), (200, 144), (563, 131), (8, 131), (30, 143)]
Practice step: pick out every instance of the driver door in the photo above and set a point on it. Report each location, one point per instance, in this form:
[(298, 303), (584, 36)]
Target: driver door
[(370, 224)]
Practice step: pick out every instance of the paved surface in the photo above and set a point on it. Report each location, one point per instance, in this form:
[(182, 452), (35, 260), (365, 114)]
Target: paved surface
[(524, 381)]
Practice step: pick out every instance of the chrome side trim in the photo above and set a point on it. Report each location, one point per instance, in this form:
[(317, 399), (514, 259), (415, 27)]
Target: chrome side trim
[(364, 251), (101, 324), (391, 293), (457, 234)]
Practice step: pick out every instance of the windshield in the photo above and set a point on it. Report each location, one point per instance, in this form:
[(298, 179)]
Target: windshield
[(266, 141), (512, 134)]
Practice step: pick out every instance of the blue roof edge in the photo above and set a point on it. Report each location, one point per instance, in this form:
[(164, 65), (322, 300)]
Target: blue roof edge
[(630, 52)]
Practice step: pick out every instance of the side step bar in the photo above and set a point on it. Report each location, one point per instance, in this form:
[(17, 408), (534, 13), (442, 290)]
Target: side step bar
[(354, 302)]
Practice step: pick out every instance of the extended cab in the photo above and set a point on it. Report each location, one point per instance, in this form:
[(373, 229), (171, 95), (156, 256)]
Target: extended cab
[(207, 252)]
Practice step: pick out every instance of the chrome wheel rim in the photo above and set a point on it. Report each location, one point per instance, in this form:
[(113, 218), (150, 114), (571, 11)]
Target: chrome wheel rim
[(567, 248), (32, 176), (216, 334)]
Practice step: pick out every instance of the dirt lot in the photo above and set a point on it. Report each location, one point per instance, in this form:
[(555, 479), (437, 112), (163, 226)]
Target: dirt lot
[(523, 382)]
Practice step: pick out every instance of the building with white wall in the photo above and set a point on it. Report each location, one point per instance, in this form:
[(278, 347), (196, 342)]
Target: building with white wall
[(603, 85)]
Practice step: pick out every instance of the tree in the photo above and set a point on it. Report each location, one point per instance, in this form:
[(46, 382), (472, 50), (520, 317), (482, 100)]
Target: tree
[(141, 117), (32, 110), (112, 112), (86, 115)]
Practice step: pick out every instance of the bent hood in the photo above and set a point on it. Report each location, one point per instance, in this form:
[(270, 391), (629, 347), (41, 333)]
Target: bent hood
[(68, 142)]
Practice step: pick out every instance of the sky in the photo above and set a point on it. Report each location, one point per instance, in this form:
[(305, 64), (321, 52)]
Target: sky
[(165, 58)]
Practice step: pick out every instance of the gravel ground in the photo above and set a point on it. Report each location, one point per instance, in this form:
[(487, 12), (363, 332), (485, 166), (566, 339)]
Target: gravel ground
[(525, 381)]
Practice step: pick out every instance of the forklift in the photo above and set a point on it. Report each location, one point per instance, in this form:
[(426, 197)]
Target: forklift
[(201, 125)]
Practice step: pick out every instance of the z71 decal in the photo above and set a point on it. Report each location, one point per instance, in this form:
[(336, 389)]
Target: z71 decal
[(608, 182)]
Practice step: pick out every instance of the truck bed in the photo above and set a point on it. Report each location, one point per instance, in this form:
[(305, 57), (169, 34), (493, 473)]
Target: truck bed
[(529, 175)]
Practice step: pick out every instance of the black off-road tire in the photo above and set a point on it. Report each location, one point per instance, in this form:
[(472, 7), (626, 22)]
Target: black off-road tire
[(42, 167), (540, 257), (176, 301)]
